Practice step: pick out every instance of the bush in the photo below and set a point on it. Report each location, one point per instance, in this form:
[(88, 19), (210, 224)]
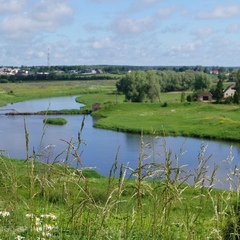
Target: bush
[(55, 121), (189, 98), (165, 104), (229, 100), (3, 81)]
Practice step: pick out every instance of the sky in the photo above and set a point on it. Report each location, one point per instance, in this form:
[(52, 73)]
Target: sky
[(120, 32)]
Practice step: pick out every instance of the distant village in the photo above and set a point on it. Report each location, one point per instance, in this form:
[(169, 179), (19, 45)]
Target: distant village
[(19, 71), (91, 70)]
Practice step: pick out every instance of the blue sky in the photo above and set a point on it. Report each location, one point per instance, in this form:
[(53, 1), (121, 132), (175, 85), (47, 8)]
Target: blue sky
[(120, 32)]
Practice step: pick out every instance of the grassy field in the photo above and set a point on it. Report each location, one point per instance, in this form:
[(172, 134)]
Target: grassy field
[(17, 92), (195, 119)]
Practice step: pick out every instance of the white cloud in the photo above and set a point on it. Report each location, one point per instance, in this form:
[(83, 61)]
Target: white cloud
[(12, 6), (233, 28), (51, 11), (172, 29), (103, 43), (90, 27), (45, 16), (202, 33), (104, 1), (220, 12), (166, 12), (132, 26), (183, 50), (138, 4)]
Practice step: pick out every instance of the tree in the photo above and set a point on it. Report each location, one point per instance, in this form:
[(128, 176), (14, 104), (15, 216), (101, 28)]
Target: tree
[(134, 85), (202, 81), (236, 96), (206, 70), (153, 86), (218, 93), (232, 76), (198, 68), (222, 70), (138, 86), (183, 97)]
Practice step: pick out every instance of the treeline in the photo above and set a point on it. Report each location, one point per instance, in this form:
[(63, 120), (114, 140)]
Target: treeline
[(106, 72), (119, 69), (139, 86), (54, 77)]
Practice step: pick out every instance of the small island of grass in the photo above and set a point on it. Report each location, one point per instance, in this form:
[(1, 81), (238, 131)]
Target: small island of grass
[(55, 121)]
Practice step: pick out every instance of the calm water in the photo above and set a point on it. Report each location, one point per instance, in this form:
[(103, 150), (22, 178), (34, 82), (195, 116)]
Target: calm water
[(100, 147)]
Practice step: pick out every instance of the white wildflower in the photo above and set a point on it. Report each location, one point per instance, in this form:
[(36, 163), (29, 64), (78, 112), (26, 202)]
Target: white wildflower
[(19, 237), (29, 215), (37, 221), (48, 227), (4, 213), (52, 216), (38, 229), (46, 234)]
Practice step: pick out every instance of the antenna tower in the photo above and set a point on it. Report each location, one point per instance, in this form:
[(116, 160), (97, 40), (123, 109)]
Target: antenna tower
[(48, 58)]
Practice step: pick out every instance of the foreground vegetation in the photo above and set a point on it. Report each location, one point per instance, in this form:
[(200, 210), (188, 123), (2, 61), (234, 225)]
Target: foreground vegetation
[(45, 199)]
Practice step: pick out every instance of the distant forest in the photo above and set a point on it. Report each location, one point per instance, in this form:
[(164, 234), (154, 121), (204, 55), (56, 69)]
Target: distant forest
[(101, 72)]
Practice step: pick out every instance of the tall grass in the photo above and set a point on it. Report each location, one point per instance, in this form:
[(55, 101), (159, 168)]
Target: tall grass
[(43, 197)]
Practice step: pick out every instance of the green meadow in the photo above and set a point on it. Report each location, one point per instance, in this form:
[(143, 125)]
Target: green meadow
[(17, 92), (42, 198), (170, 117)]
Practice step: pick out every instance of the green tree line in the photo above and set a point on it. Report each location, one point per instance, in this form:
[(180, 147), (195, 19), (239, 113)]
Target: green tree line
[(139, 86)]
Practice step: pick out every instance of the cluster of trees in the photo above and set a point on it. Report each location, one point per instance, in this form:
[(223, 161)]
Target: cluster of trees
[(139, 86)]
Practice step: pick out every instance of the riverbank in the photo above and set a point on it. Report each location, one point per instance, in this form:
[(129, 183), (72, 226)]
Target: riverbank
[(194, 119)]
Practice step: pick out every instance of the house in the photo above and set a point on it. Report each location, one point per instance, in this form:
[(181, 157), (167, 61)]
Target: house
[(99, 71), (202, 97), (215, 71), (229, 91)]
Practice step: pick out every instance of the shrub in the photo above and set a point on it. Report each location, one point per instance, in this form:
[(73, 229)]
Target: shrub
[(3, 81), (189, 98), (165, 104), (55, 121), (229, 100)]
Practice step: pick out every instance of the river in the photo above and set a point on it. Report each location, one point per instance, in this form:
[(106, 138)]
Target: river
[(100, 148)]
